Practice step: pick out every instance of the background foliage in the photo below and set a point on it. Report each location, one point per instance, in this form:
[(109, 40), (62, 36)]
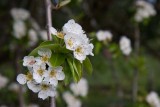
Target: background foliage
[(93, 15)]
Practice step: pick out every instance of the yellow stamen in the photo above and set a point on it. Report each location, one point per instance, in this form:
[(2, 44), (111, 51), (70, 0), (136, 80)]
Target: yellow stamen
[(79, 50), (29, 76), (70, 42), (40, 72), (44, 86), (60, 35), (52, 73), (44, 58)]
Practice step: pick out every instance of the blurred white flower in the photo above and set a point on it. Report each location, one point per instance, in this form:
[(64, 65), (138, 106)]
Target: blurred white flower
[(16, 87), (54, 74), (20, 14), (144, 10), (3, 106), (104, 35), (33, 37), (19, 29), (80, 88), (43, 34), (153, 99), (3, 81), (125, 45), (71, 100), (45, 54), (72, 28)]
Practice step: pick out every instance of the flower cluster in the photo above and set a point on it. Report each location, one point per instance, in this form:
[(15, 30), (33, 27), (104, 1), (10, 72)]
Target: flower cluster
[(41, 78), (125, 45), (153, 99), (145, 10), (104, 35), (75, 40), (78, 89)]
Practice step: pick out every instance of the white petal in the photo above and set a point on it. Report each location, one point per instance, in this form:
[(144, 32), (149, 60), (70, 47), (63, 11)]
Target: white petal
[(28, 61), (21, 78), (58, 69), (53, 81), (33, 86), (53, 31), (60, 75), (72, 27), (45, 52), (37, 77), (43, 94)]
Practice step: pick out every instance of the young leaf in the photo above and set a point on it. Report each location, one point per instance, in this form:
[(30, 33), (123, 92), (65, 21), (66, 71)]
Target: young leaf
[(68, 73), (46, 43), (70, 63), (87, 65), (57, 59), (54, 47), (78, 68)]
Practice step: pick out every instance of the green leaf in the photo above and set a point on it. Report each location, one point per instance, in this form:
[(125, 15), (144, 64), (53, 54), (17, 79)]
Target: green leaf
[(57, 59), (54, 47), (46, 43), (78, 68), (68, 73), (63, 3), (74, 74), (55, 38), (87, 65)]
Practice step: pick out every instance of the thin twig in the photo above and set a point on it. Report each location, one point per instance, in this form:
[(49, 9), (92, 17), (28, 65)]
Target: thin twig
[(136, 74), (49, 24), (48, 17)]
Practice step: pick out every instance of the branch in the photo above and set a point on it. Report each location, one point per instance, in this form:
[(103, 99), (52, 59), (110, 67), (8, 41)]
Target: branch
[(49, 24), (48, 17), (136, 74)]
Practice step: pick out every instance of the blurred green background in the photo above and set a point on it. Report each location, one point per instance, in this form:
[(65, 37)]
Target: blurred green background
[(110, 85)]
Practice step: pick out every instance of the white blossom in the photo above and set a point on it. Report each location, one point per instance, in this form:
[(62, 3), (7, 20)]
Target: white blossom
[(45, 55), (33, 37), (153, 99), (20, 14), (144, 10), (77, 41), (104, 35), (80, 88), (19, 29), (125, 45), (54, 74), (72, 28), (71, 100), (46, 90), (39, 72), (29, 61), (3, 81)]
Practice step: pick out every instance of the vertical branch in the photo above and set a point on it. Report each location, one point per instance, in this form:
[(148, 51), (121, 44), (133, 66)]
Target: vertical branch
[(136, 74), (48, 17), (49, 24)]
